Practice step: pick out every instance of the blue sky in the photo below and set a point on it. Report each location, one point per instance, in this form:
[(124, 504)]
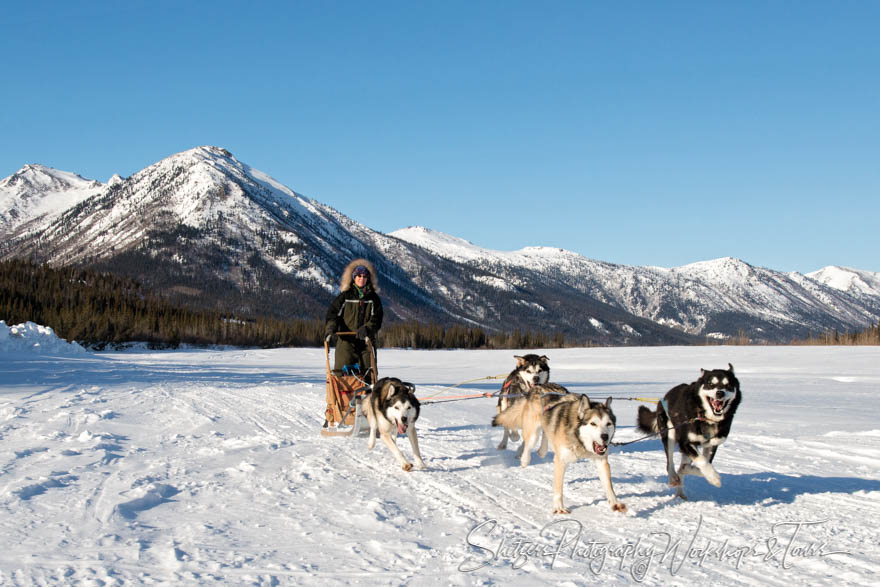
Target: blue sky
[(642, 133)]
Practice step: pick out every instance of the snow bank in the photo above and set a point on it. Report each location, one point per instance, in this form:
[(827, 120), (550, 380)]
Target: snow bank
[(30, 337)]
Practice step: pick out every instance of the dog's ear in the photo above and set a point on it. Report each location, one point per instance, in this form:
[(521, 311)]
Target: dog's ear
[(375, 386), (410, 387), (389, 389), (730, 368), (608, 402), (544, 359), (520, 361), (584, 406)]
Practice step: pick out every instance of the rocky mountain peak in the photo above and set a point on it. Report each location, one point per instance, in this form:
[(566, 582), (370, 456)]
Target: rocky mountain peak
[(36, 191), (211, 230)]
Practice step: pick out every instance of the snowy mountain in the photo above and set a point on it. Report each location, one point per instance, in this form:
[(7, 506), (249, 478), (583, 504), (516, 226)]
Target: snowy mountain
[(862, 284), (716, 298), (208, 230), (37, 192)]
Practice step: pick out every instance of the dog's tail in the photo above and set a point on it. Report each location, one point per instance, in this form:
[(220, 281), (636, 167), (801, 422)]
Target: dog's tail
[(510, 418), (647, 420)]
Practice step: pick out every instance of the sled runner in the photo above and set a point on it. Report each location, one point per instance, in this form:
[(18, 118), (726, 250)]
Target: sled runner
[(343, 416)]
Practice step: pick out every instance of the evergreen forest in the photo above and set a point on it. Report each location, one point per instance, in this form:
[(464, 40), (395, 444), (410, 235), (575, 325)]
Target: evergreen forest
[(97, 309)]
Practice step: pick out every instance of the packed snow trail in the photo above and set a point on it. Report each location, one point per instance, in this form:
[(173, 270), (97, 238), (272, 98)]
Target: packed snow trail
[(203, 466)]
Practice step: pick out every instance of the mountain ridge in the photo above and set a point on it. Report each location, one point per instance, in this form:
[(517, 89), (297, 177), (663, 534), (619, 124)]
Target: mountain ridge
[(205, 228)]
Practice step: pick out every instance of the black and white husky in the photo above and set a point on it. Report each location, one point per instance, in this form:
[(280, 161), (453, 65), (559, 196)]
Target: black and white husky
[(391, 408), (695, 415), (530, 370)]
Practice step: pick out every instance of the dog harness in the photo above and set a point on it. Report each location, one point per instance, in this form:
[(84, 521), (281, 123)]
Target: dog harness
[(700, 418)]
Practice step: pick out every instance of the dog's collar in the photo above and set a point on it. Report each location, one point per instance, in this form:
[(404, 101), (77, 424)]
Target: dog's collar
[(701, 416), (509, 382)]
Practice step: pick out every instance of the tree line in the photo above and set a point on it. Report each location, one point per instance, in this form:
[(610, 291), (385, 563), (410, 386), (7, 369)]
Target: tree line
[(98, 309), (434, 336), (868, 336)]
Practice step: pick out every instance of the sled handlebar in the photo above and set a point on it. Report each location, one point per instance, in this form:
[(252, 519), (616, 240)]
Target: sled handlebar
[(329, 336), (327, 339)]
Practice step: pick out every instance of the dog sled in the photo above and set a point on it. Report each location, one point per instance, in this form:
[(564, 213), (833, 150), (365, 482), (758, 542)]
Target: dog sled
[(344, 416)]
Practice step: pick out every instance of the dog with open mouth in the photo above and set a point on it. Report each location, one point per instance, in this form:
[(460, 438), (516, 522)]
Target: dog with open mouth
[(697, 417), (575, 429), (391, 408), (579, 429)]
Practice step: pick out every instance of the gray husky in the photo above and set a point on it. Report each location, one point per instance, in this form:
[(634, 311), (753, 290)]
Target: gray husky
[(575, 428)]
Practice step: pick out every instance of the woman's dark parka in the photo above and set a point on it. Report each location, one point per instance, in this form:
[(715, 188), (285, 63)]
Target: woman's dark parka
[(358, 311)]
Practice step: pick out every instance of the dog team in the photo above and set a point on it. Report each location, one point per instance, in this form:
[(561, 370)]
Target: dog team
[(695, 416)]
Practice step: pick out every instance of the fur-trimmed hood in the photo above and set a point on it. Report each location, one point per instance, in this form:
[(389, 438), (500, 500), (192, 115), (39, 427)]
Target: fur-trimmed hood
[(346, 281)]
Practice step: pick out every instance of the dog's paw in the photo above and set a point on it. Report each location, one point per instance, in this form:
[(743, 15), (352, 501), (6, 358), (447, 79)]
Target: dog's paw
[(407, 467), (680, 494), (514, 436), (420, 464), (561, 510), (674, 481), (713, 477), (503, 445), (370, 445), (618, 507)]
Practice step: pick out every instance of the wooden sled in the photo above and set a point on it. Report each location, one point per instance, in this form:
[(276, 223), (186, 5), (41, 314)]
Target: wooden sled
[(344, 416)]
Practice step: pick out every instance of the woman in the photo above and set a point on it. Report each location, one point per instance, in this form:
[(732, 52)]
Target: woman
[(356, 309)]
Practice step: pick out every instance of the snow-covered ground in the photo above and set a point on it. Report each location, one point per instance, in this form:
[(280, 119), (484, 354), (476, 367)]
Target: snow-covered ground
[(205, 466)]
